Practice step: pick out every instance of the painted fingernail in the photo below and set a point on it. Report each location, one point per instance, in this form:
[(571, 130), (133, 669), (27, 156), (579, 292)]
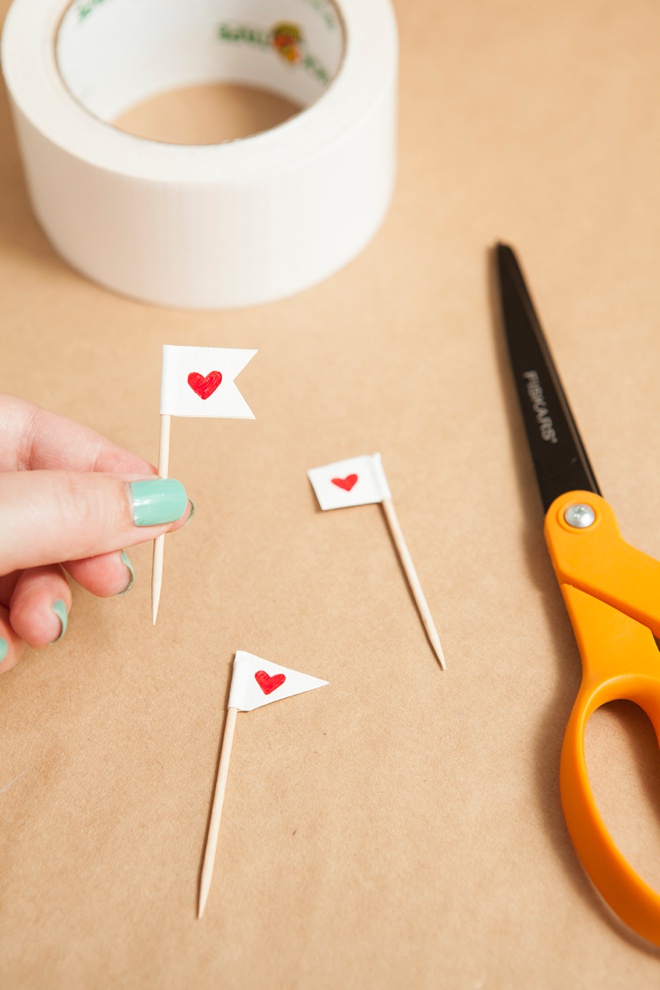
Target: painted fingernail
[(192, 512), (126, 560), (4, 649), (157, 501), (59, 608)]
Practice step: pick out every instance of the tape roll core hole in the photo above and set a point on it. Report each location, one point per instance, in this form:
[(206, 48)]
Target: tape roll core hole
[(198, 71)]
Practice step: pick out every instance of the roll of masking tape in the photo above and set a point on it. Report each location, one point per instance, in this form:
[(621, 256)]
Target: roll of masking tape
[(205, 226)]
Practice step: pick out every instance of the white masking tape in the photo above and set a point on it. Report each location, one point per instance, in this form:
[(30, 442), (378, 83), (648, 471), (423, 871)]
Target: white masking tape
[(205, 226)]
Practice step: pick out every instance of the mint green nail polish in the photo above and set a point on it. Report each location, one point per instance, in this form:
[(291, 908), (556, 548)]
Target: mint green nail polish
[(157, 501), (59, 608), (125, 559), (4, 649)]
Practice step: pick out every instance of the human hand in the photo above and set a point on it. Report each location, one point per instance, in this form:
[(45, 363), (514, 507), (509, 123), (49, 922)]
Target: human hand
[(70, 500)]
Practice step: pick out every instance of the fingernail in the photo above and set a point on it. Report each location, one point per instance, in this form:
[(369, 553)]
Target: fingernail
[(4, 649), (157, 501), (59, 608), (125, 559), (192, 512)]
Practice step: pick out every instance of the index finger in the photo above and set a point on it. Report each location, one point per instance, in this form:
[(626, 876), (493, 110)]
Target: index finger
[(31, 438)]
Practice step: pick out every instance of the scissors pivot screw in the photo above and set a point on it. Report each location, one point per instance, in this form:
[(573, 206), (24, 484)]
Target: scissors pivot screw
[(580, 515)]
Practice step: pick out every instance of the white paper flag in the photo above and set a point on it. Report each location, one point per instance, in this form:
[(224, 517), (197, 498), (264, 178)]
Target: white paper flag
[(256, 682), (355, 481), (199, 381)]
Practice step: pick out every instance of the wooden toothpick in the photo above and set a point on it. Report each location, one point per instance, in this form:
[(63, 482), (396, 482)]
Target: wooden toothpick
[(413, 580), (159, 542), (216, 810)]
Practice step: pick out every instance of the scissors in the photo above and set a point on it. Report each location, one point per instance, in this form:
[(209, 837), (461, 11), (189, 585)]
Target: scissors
[(611, 591)]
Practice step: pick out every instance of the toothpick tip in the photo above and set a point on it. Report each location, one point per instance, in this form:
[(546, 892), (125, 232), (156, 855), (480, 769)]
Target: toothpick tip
[(155, 593), (157, 575), (437, 648), (155, 600), (203, 895)]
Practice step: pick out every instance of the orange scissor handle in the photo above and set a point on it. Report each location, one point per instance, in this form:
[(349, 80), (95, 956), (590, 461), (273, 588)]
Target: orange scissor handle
[(597, 560), (607, 586), (606, 636)]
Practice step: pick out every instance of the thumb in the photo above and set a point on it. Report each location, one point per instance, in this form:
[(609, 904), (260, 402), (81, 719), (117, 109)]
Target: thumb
[(50, 516)]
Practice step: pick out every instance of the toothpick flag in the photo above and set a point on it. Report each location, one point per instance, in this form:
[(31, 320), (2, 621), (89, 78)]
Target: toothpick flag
[(355, 481), (361, 481), (196, 381), (255, 682)]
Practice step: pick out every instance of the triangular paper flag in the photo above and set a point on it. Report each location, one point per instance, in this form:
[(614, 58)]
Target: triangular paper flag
[(256, 682), (355, 481), (199, 381)]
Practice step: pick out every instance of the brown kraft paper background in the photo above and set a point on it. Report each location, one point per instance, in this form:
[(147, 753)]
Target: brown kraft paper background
[(401, 827)]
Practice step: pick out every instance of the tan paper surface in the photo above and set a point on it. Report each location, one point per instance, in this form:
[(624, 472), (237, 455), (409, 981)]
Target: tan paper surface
[(402, 827)]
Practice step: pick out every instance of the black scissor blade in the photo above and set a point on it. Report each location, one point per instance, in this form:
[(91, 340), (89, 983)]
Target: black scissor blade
[(559, 456)]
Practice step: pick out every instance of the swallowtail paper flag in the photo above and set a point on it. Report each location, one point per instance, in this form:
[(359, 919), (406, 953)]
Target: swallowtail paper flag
[(199, 381)]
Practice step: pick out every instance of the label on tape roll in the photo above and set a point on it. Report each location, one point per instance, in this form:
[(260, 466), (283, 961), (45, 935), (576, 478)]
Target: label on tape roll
[(205, 226)]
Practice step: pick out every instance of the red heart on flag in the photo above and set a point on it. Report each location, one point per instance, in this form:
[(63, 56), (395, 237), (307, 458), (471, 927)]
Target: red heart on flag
[(204, 387), (346, 483), (269, 684)]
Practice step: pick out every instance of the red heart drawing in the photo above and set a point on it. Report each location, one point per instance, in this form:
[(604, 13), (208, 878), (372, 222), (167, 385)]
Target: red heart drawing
[(204, 387), (269, 684), (346, 483)]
